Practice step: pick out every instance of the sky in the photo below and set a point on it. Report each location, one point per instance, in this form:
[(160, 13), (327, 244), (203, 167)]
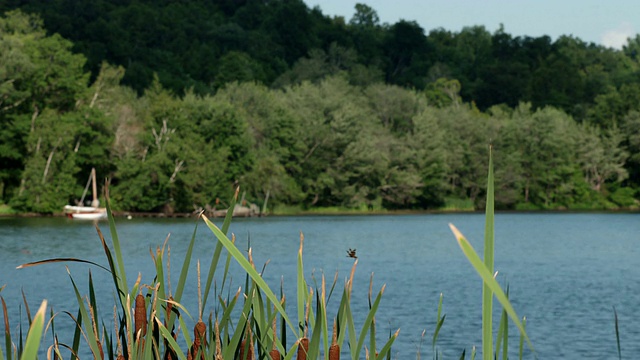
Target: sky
[(607, 23)]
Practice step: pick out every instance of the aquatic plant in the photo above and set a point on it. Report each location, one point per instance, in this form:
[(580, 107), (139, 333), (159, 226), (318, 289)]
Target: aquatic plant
[(148, 318)]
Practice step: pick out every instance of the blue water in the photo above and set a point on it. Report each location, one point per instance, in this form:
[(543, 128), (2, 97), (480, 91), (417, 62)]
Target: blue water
[(566, 272)]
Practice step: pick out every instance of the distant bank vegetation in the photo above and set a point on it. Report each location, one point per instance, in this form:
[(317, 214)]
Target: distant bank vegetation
[(352, 115)]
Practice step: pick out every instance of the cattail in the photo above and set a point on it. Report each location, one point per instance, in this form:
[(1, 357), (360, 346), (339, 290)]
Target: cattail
[(100, 349), (218, 342), (199, 341), (334, 349), (303, 348), (243, 345), (274, 353), (170, 353), (140, 315)]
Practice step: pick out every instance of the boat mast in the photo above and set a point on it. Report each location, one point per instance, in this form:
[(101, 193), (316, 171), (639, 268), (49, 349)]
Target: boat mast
[(94, 188)]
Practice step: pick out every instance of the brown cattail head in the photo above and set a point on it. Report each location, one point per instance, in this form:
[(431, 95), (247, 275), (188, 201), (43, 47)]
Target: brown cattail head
[(334, 352), (100, 349), (199, 341), (247, 344), (334, 349), (140, 315), (303, 348), (199, 334), (275, 354)]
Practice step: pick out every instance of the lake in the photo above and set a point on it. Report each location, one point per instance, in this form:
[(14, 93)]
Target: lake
[(566, 272)]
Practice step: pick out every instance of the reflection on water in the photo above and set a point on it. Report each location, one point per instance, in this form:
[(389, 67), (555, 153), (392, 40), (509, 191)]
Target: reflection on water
[(565, 271)]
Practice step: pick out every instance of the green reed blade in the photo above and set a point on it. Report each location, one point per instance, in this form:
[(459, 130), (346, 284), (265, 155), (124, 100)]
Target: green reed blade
[(437, 331), (504, 327), (35, 334), (283, 323), (502, 338), (91, 336), (463, 354), (177, 297), (488, 279), (76, 334), (349, 323), (314, 343), (185, 331), (92, 299), (120, 287), (166, 334), (342, 319), (487, 295), (244, 263), (386, 349), (439, 323), (57, 260), (212, 270), (367, 322), (218, 249), (121, 274), (372, 337), (236, 339), (303, 292), (160, 274), (7, 329), (26, 306), (521, 347), (615, 318), (108, 342)]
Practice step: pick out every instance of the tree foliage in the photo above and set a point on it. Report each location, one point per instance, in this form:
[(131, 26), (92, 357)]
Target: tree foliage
[(179, 103)]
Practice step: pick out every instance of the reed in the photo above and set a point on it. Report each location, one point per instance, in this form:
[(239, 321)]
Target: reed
[(150, 321), (490, 287)]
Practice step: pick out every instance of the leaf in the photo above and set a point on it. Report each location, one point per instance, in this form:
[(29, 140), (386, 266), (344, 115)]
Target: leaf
[(489, 280), (246, 266), (35, 334), (58, 260)]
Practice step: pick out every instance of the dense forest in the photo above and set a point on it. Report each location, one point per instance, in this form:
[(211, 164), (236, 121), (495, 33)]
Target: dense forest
[(179, 102)]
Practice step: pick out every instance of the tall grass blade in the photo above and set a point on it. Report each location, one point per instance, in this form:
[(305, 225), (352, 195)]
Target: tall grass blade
[(75, 346), (303, 293), (90, 335), (120, 288), (367, 322), (521, 346), (218, 249), (246, 266), (439, 323), (182, 279), (116, 245), (7, 329), (57, 260), (489, 280), (487, 294), (34, 335), (615, 318), (386, 349)]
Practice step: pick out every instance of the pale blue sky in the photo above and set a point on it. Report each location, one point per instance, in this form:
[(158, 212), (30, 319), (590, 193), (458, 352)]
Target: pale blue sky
[(606, 22)]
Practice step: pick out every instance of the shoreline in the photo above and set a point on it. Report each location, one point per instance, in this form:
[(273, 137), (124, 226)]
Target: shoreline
[(132, 214)]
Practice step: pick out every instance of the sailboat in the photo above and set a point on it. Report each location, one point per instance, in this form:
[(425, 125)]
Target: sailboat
[(93, 212)]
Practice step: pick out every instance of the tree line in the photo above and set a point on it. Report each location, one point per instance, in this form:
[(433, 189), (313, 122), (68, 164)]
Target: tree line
[(356, 115)]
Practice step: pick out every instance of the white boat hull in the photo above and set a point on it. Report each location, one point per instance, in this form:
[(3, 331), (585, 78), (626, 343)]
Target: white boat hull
[(89, 216), (85, 212)]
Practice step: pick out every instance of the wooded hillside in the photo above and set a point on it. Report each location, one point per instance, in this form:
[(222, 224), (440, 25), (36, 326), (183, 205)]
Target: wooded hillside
[(178, 102)]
